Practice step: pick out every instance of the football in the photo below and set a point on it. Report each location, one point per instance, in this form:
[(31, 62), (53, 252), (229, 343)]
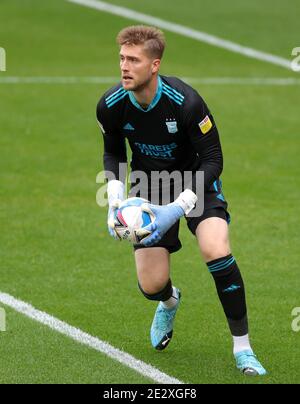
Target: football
[(130, 217)]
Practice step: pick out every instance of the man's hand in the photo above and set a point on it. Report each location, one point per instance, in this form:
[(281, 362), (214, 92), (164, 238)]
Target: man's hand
[(112, 211), (115, 193), (166, 216)]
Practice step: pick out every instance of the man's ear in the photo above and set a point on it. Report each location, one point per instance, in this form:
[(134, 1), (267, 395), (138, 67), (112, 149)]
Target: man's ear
[(155, 65)]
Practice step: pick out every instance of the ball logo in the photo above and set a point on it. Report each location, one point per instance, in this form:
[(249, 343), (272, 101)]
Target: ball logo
[(126, 234)]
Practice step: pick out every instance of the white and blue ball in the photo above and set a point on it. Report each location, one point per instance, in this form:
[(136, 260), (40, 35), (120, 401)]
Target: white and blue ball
[(130, 217)]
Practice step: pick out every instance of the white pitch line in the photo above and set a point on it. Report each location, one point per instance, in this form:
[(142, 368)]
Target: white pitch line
[(256, 81), (58, 80), (185, 31), (85, 339)]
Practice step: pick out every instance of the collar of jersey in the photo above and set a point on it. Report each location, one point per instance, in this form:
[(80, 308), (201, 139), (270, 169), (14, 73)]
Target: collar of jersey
[(153, 102)]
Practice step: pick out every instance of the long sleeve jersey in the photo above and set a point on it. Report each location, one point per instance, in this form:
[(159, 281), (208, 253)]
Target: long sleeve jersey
[(175, 132)]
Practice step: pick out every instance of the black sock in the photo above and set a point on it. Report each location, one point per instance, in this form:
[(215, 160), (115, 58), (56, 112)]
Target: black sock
[(231, 292)]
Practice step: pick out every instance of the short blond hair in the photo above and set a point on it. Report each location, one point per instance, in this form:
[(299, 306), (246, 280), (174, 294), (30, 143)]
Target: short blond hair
[(152, 38)]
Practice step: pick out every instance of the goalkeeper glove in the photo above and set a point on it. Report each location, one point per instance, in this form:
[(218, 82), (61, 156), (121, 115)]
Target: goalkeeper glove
[(166, 216), (115, 193)]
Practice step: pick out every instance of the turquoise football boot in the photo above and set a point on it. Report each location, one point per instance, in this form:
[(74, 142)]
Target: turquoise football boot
[(162, 325), (248, 364)]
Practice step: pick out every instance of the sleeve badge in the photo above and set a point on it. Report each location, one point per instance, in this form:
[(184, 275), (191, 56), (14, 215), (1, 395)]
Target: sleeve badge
[(205, 125)]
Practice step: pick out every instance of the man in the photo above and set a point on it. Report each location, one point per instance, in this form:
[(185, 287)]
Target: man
[(169, 127)]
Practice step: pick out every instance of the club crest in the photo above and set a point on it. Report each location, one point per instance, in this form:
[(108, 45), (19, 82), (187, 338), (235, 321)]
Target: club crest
[(172, 126)]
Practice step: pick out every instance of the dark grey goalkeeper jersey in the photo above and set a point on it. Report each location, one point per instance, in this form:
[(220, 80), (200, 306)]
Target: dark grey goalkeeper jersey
[(175, 132)]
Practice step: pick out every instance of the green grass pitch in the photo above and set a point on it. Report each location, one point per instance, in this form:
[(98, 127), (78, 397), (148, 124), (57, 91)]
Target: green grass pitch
[(55, 250)]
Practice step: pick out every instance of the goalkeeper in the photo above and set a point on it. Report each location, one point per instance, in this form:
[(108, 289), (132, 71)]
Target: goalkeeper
[(169, 127)]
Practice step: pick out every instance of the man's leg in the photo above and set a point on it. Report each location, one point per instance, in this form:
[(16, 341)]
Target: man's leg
[(213, 239), (153, 272), (153, 268)]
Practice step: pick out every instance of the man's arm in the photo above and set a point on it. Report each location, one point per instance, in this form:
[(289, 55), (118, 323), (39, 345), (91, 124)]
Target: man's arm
[(114, 154), (204, 136), (114, 142)]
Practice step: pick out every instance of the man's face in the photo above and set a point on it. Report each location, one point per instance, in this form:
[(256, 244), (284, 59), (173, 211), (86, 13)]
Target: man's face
[(137, 68)]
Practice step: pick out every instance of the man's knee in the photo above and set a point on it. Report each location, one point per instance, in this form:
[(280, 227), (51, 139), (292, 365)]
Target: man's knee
[(151, 285), (152, 269), (213, 238), (157, 293), (152, 288), (214, 251)]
